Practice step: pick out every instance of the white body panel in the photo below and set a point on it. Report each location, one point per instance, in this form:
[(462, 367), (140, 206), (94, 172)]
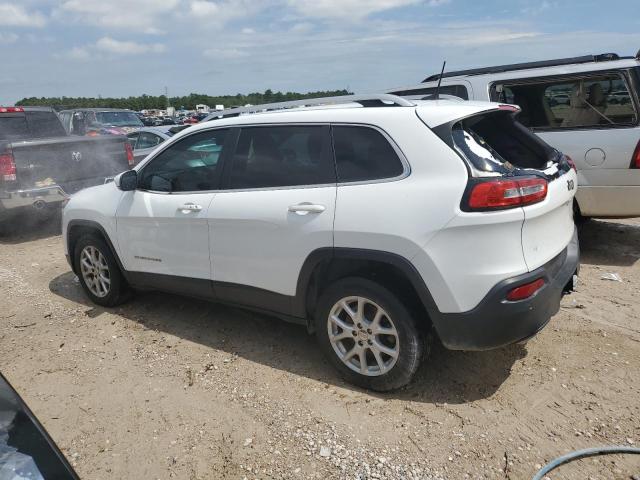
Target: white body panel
[(256, 241), (549, 225), (96, 204), (156, 235)]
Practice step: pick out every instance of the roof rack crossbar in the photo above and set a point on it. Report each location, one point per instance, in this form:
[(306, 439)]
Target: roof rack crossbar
[(376, 99), (523, 66)]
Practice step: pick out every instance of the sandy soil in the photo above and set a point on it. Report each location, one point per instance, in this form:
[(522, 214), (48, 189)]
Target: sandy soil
[(168, 387)]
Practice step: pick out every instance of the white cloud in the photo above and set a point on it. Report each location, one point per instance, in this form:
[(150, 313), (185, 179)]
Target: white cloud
[(225, 53), (7, 38), (217, 13), (139, 15), (110, 45), (347, 8), (17, 16)]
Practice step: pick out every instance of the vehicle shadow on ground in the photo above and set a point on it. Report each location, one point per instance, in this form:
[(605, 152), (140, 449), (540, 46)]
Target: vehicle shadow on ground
[(609, 243), (446, 377), (29, 229)]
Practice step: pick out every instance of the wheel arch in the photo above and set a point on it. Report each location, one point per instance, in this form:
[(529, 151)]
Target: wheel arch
[(394, 272), (77, 228)]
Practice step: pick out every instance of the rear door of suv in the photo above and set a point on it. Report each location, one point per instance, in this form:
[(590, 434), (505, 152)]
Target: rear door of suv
[(277, 205), (594, 118)]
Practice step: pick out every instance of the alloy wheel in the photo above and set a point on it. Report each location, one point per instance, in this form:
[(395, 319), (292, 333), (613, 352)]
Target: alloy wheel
[(95, 271), (363, 336)]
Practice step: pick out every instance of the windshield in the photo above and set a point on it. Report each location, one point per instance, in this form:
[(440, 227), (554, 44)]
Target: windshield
[(119, 119)]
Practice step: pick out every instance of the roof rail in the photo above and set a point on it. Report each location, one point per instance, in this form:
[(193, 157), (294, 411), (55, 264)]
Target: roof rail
[(604, 57), (372, 100)]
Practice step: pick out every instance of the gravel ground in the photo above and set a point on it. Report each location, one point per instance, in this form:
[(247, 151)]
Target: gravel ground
[(168, 387)]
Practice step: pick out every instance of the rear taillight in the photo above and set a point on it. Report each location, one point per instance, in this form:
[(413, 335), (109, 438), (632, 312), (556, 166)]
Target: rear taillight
[(525, 291), (7, 166), (503, 193), (129, 150), (635, 160), (11, 109)]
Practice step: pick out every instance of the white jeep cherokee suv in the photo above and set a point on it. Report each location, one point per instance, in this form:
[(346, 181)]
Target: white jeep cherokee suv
[(373, 220)]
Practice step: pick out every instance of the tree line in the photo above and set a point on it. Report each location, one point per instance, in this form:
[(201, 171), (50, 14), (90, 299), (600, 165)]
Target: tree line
[(147, 102)]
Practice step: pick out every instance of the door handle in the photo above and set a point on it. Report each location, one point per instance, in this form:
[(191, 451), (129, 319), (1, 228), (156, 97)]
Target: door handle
[(190, 207), (305, 208)]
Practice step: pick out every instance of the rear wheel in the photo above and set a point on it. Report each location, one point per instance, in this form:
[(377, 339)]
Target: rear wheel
[(369, 335), (98, 272)]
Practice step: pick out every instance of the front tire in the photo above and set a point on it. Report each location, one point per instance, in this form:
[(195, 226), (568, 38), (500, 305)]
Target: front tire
[(369, 335), (98, 272)]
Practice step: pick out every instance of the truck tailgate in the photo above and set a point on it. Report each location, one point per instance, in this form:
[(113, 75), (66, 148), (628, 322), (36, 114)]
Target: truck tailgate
[(71, 162), (548, 226)]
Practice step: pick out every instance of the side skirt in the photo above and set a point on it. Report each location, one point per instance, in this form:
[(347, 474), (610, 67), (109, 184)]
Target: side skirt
[(242, 296)]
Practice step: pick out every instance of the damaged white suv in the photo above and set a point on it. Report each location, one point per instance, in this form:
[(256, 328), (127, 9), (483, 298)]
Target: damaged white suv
[(374, 220)]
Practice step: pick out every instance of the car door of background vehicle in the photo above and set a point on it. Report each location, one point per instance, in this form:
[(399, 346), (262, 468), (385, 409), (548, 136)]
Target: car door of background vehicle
[(593, 118), (162, 226), (276, 207)]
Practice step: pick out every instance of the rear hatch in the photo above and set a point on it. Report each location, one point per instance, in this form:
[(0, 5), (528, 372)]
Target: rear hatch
[(510, 167)]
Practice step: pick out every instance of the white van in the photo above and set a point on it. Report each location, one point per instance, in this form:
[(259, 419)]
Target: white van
[(586, 107)]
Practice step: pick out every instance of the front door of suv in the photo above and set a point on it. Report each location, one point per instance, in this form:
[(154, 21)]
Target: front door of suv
[(276, 207), (162, 226)]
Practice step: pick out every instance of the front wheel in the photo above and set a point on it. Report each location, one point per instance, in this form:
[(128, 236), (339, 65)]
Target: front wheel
[(369, 335), (98, 272)]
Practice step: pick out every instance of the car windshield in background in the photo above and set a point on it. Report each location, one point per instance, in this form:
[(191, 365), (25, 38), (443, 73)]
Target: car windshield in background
[(119, 119)]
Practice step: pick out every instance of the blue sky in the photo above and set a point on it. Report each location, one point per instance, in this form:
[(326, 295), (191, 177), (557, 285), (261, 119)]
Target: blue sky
[(131, 47)]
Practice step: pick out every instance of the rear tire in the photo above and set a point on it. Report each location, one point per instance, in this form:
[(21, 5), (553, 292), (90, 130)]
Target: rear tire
[(98, 272), (369, 335)]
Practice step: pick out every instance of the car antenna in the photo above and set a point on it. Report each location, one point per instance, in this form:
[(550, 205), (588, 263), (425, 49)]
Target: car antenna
[(436, 94)]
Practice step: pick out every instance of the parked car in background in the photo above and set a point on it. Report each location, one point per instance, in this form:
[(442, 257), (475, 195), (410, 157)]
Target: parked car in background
[(26, 449), (100, 121), (588, 107), (334, 217), (40, 164), (144, 140), (198, 117)]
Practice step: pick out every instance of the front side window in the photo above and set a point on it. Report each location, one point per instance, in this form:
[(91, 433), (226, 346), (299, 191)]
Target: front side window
[(363, 153), (593, 101), (189, 165), (282, 157), (148, 140)]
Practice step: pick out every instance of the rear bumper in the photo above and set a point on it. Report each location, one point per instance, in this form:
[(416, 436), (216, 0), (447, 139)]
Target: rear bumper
[(496, 322), (36, 198)]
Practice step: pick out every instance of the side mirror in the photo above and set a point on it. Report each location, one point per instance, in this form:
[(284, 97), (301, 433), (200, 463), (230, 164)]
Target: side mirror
[(127, 181)]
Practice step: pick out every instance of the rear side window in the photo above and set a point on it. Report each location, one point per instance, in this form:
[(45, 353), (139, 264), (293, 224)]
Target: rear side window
[(45, 124), (189, 165), (282, 157), (593, 101), (363, 153)]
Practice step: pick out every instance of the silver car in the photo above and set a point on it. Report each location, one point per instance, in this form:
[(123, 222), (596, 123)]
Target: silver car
[(144, 140), (587, 107)]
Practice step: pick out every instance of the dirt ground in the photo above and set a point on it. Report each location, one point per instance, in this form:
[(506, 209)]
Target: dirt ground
[(167, 387)]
